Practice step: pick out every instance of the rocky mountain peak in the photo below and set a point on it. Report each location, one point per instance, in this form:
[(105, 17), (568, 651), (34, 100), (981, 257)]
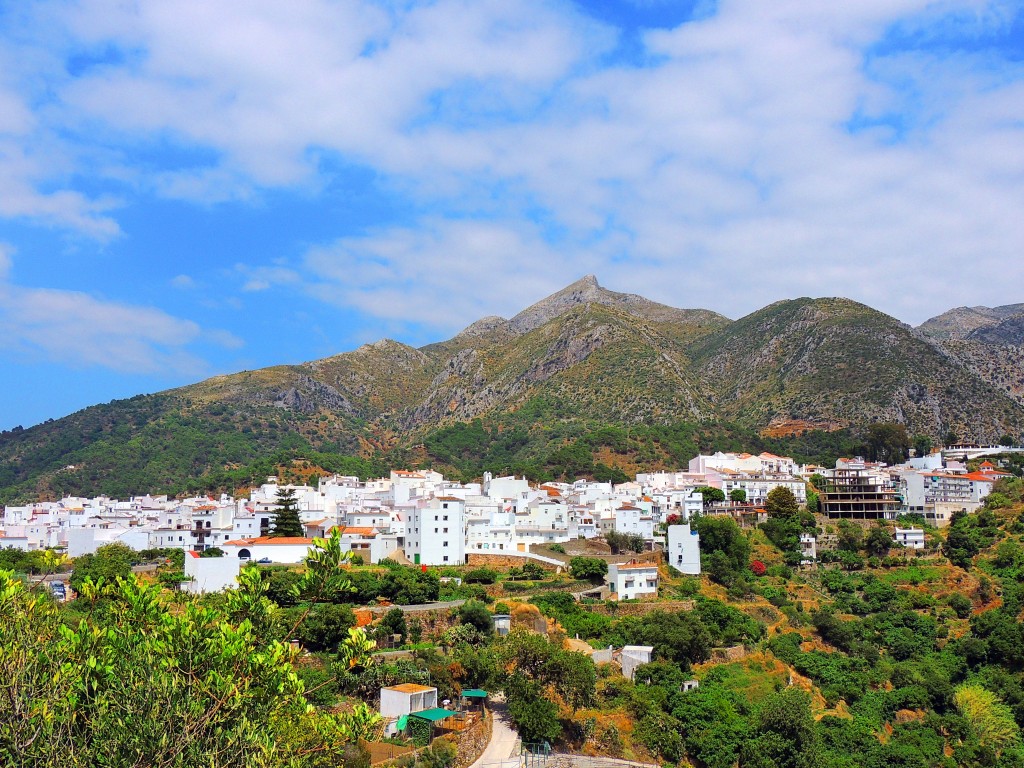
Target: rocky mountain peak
[(587, 290)]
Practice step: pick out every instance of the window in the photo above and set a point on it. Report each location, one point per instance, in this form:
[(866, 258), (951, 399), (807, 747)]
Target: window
[(445, 558), (435, 530), (446, 517), (446, 530), (445, 544)]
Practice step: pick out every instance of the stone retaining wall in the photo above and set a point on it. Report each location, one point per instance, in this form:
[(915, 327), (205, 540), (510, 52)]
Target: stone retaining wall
[(639, 609), (509, 561)]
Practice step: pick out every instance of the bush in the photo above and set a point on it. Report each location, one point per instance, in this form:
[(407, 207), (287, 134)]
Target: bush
[(961, 605), (481, 576), (476, 615), (441, 754), (557, 548), (589, 568), (758, 568)]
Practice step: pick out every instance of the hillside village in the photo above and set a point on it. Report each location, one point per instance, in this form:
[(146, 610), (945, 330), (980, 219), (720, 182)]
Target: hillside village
[(659, 620), (421, 518)]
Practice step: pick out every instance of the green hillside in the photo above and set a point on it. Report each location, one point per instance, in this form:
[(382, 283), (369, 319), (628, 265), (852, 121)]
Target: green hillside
[(587, 381)]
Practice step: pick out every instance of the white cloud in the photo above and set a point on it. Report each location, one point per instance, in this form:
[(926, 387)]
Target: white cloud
[(444, 274), (5, 260), (183, 282), (763, 151), (77, 329), (257, 279), (32, 158)]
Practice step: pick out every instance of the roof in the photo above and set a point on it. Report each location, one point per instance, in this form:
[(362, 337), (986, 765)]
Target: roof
[(636, 565), (474, 693), (409, 688), (273, 540), (354, 530), (433, 715)]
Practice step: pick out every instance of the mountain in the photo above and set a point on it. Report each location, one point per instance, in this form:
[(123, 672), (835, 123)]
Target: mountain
[(987, 341), (961, 322), (835, 361), (585, 381)]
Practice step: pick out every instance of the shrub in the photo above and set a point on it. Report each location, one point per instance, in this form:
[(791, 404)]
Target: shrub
[(758, 568), (590, 568), (481, 576), (961, 605)]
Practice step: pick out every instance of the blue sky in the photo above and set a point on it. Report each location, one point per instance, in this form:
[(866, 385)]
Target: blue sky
[(207, 186)]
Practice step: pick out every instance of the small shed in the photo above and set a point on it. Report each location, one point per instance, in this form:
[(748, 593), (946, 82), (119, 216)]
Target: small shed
[(502, 623), (405, 699), (634, 656)]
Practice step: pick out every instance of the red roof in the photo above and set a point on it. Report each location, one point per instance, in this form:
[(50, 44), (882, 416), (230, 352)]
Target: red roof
[(276, 540)]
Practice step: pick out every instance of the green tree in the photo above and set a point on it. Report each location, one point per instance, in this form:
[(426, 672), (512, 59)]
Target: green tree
[(922, 445), (851, 536), (725, 551), (394, 623), (989, 718), (888, 442), (140, 685), (711, 495), (738, 495), (785, 733), (105, 566), (590, 568), (475, 614), (535, 717), (286, 517), (781, 504), (325, 626), (878, 541)]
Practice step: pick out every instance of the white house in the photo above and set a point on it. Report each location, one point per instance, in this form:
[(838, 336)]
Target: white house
[(629, 580), (632, 519), (808, 547), (683, 549), (210, 574), (436, 532), (909, 538)]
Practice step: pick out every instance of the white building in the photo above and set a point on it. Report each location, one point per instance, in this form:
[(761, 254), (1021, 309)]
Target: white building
[(210, 574), (808, 547), (436, 532), (405, 699), (630, 580), (683, 549), (634, 520), (909, 538)]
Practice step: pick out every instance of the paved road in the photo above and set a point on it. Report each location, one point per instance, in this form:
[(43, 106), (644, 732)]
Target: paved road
[(415, 608), (502, 749)]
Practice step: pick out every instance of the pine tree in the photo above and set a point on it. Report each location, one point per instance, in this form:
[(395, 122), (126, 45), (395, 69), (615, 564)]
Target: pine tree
[(286, 518)]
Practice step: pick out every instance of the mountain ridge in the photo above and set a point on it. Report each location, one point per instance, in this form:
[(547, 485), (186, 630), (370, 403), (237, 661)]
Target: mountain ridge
[(581, 358)]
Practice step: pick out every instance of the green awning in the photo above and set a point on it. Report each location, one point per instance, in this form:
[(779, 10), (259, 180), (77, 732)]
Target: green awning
[(433, 715), (402, 722), (474, 693)]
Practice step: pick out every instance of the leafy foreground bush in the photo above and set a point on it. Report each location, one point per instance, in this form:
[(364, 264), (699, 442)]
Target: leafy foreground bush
[(143, 683)]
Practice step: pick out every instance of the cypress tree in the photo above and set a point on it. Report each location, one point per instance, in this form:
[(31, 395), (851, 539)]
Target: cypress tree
[(286, 518)]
